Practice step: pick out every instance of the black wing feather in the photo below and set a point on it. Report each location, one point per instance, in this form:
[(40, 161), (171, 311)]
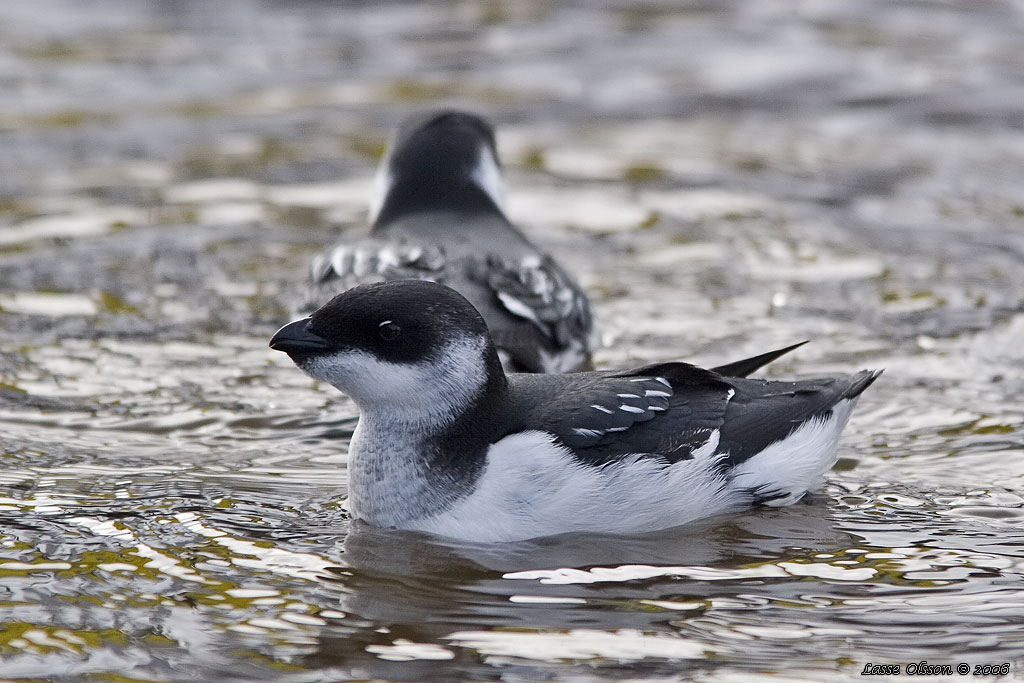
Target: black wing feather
[(671, 409), (366, 258), (538, 290), (607, 408), (369, 260), (605, 416)]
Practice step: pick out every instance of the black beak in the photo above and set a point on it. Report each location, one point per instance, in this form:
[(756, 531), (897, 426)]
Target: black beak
[(295, 339)]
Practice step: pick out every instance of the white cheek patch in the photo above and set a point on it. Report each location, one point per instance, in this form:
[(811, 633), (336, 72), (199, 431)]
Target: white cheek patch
[(487, 176), (363, 376), (383, 181), (428, 392)]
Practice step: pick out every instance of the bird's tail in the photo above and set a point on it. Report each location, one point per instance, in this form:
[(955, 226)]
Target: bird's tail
[(784, 471)]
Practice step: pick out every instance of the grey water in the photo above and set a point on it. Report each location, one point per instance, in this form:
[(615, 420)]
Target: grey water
[(723, 178)]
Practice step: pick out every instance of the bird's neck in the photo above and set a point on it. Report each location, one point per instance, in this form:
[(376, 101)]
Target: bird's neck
[(401, 470), (418, 195)]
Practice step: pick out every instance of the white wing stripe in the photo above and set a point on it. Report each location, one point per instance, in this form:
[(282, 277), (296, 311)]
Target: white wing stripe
[(654, 393), (517, 307)]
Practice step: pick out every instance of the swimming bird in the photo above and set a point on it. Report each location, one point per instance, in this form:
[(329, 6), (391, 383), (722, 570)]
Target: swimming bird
[(438, 213), (448, 443)]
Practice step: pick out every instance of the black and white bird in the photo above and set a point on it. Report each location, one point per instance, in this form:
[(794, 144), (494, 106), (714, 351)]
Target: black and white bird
[(438, 213), (448, 443)]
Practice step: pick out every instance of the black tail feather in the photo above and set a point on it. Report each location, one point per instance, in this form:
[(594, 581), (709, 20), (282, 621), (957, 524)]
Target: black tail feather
[(748, 366), (861, 381)]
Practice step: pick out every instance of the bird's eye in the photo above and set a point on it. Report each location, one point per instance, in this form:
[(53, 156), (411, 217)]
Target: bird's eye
[(388, 330)]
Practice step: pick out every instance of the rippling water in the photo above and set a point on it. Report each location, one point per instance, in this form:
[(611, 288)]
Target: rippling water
[(723, 178)]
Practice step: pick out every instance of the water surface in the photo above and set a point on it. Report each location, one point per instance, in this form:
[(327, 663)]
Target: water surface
[(722, 177)]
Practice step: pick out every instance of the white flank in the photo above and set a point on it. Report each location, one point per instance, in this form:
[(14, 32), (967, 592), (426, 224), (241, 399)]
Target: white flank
[(532, 487)]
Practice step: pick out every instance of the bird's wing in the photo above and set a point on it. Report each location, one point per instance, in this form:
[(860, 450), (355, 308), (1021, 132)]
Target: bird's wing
[(536, 289), (762, 412), (371, 260), (671, 410), (606, 416)]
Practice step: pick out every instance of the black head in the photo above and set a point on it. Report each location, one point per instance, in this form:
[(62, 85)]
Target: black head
[(392, 341), (441, 160), (405, 321)]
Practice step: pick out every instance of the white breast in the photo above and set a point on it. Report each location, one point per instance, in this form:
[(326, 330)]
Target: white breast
[(387, 486)]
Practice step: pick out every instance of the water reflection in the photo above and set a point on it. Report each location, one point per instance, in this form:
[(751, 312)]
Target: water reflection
[(290, 575)]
